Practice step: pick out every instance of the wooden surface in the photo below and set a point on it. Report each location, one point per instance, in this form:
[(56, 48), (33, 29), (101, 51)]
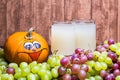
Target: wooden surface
[(20, 15)]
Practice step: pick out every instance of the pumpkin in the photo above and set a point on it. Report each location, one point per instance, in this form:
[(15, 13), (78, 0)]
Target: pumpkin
[(26, 47)]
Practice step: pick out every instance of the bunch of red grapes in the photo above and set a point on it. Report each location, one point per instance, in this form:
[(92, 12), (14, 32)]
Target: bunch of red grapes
[(73, 67), (101, 64)]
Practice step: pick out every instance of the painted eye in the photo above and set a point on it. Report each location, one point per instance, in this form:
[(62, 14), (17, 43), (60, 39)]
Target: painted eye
[(28, 45), (36, 44)]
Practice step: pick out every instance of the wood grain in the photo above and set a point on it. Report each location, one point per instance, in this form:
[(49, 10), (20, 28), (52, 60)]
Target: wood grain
[(20, 15), (100, 14), (113, 16), (3, 25)]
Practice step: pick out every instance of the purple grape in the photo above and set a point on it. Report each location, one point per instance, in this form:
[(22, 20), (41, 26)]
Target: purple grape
[(115, 66), (111, 41), (66, 77), (112, 55), (90, 56), (116, 72), (10, 70), (65, 61)]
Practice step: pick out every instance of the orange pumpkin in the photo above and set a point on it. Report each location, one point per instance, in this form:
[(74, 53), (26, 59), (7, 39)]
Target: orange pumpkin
[(26, 46)]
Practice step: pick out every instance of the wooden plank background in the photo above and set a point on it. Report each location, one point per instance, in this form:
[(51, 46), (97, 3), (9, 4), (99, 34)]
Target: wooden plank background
[(20, 15)]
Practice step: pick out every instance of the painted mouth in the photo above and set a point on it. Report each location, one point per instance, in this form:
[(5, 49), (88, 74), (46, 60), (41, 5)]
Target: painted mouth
[(35, 55)]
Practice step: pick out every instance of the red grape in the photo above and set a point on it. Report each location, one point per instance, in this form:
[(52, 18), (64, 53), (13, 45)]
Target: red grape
[(75, 68), (90, 56), (66, 77), (103, 73), (116, 72), (106, 46), (112, 55), (82, 75), (10, 70), (75, 59), (74, 77), (78, 51), (61, 70), (111, 41), (84, 67), (108, 77), (83, 58), (65, 61), (115, 66)]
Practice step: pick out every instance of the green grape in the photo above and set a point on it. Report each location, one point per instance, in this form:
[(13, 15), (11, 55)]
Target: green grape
[(13, 65), (98, 66), (25, 71), (117, 77), (51, 61), (3, 63), (54, 73), (118, 44), (106, 42), (113, 47), (22, 78), (10, 77), (88, 75), (45, 66), (42, 72), (35, 69), (104, 54), (37, 77), (96, 54), (45, 77), (49, 74), (87, 79), (104, 65), (59, 57), (98, 77), (91, 78), (23, 65), (118, 52), (31, 76), (108, 60), (4, 76), (34, 63), (91, 63), (100, 59), (18, 73)]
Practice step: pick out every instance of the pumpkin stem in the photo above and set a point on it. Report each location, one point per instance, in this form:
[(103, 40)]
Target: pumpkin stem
[(29, 35)]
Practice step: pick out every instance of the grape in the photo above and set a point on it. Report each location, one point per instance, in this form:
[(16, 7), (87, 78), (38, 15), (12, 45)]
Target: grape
[(91, 78), (90, 56), (78, 51), (106, 46), (51, 61), (82, 74), (31, 76), (118, 52), (75, 68), (44, 65), (61, 70), (74, 77), (101, 59), (83, 59), (91, 63), (42, 72), (10, 70), (111, 41), (108, 60), (75, 59), (54, 72), (98, 77), (108, 77), (22, 78), (3, 63), (65, 61), (113, 47), (98, 66), (45, 77), (66, 77), (49, 74), (25, 71), (116, 72), (23, 65), (117, 77), (115, 66), (34, 63), (84, 67), (18, 73), (112, 55), (35, 69), (13, 65), (103, 65)]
